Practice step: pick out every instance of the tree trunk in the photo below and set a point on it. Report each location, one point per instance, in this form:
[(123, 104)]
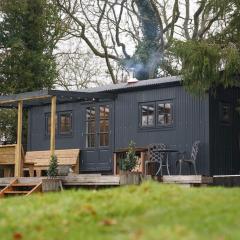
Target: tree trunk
[(148, 53)]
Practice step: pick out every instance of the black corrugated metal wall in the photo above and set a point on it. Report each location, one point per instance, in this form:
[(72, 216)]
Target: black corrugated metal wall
[(191, 122), (224, 137)]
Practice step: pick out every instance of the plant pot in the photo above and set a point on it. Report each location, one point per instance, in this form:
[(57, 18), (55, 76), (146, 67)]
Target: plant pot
[(51, 185), (130, 178)]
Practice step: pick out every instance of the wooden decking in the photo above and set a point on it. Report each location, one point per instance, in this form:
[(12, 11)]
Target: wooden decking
[(226, 180), (78, 180), (91, 180), (28, 185), (188, 179)]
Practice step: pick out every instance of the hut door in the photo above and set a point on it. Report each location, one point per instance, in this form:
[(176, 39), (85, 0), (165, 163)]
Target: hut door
[(97, 155)]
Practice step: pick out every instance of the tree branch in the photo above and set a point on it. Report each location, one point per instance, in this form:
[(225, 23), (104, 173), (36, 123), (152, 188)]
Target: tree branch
[(196, 19), (185, 25)]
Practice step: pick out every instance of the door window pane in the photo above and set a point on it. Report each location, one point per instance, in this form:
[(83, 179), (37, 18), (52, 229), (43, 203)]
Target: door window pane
[(90, 113), (90, 140), (104, 112), (90, 127), (104, 126), (104, 139)]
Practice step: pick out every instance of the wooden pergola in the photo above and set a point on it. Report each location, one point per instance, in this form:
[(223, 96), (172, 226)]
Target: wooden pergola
[(39, 98)]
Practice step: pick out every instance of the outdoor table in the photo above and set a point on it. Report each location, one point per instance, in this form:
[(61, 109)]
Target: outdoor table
[(141, 152), (164, 151)]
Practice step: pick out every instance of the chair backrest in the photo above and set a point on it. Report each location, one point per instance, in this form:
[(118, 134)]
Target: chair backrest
[(195, 150), (154, 155)]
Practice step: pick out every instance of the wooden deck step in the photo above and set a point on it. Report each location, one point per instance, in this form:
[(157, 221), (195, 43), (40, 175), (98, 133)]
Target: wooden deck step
[(16, 192), (2, 186), (23, 188), (23, 184)]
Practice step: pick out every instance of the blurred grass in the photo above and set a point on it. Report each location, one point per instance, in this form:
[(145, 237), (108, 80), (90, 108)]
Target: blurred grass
[(149, 211)]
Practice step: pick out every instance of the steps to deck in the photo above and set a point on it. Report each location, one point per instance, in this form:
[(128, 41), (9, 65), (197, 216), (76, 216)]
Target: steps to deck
[(2, 186), (20, 187), (15, 192)]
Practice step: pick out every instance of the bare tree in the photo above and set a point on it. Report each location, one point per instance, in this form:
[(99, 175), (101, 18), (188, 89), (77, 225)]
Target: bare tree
[(139, 33)]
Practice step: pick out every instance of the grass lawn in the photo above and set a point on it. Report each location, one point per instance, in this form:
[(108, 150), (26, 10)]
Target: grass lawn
[(149, 211)]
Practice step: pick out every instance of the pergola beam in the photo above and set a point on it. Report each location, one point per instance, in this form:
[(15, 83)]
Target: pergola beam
[(63, 97), (24, 97)]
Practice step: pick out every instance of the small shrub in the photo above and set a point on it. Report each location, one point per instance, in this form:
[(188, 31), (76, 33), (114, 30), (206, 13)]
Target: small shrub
[(53, 167), (131, 160)]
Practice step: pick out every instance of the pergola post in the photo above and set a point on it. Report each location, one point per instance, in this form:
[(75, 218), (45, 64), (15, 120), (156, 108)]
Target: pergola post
[(18, 161), (53, 124)]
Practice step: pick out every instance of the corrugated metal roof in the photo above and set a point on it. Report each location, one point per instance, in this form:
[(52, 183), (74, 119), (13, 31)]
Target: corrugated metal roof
[(139, 84)]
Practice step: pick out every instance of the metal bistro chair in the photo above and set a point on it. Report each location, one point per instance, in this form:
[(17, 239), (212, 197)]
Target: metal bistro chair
[(192, 160), (158, 157)]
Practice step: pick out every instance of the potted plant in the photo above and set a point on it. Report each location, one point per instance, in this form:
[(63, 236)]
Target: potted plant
[(127, 165), (52, 183)]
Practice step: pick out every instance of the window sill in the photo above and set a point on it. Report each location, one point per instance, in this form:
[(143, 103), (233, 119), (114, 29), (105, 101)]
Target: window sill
[(157, 128)]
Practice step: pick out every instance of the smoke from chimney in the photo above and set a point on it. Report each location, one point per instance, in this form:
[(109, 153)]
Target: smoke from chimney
[(131, 78)]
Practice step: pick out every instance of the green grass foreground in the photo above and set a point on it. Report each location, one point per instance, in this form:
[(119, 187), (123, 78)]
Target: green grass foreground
[(149, 211)]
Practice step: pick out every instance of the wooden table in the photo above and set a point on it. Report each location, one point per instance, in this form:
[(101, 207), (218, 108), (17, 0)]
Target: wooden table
[(141, 152)]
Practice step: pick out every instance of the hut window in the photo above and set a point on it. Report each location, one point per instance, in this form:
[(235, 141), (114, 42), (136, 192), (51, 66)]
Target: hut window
[(48, 123), (65, 122), (156, 114), (164, 113), (225, 113), (147, 114)]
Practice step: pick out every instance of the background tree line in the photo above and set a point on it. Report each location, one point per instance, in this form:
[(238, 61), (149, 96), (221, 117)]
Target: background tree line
[(29, 32)]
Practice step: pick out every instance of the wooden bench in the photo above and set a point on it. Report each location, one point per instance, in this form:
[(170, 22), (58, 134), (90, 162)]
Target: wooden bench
[(7, 159), (41, 159)]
